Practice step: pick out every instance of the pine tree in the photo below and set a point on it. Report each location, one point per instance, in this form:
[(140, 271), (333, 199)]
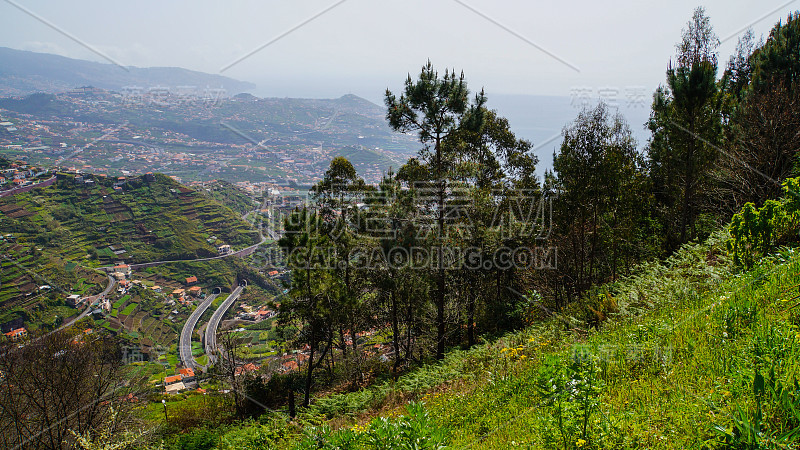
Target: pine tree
[(686, 124), (434, 108)]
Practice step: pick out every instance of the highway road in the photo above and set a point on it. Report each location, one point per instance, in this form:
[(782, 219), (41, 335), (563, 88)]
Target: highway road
[(185, 343), (213, 323)]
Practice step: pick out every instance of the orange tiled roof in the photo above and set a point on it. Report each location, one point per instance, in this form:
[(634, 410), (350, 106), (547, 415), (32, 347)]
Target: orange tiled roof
[(17, 332)]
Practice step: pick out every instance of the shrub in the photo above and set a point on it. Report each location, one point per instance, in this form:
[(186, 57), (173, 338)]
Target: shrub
[(756, 232)]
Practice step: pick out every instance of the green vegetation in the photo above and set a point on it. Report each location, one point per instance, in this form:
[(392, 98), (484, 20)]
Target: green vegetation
[(229, 195), (756, 232), (709, 352), (129, 309), (464, 303), (25, 269), (54, 235), (150, 221)]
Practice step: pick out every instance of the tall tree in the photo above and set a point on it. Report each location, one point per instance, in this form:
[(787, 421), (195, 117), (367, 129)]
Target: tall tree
[(309, 302), (433, 106), (763, 139), (336, 196), (600, 183), (493, 167), (685, 124)]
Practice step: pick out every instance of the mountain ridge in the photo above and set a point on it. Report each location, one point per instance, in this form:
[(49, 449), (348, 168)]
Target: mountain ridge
[(24, 72)]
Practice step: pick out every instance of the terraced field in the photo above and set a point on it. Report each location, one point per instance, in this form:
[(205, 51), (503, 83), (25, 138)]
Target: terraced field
[(143, 221), (33, 284), (54, 235)]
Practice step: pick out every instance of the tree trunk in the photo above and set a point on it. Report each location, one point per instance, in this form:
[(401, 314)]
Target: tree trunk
[(292, 412), (310, 370), (395, 334), (471, 320), (440, 285)]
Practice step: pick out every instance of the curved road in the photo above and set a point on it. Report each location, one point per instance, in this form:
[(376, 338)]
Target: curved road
[(213, 323), (242, 252), (91, 300), (185, 343)]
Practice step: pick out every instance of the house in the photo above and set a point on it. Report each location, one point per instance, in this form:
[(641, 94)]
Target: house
[(224, 249), (156, 288), (188, 377), (273, 273), (264, 314), (191, 280), (289, 366), (178, 293), (17, 334), (195, 291), (122, 268), (74, 300), (175, 387), (249, 367), (172, 379)]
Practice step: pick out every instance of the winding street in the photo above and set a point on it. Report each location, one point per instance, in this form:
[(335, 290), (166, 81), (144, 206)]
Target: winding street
[(213, 323), (185, 343), (210, 339), (243, 252)]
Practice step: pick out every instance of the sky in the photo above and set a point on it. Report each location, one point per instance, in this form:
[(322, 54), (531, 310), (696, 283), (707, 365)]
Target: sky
[(326, 48), (517, 51)]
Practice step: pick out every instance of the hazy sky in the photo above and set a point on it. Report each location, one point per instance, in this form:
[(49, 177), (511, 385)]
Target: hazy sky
[(362, 47)]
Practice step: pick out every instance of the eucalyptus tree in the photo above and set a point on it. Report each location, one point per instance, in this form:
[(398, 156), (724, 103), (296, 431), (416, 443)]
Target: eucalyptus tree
[(763, 134), (390, 221), (336, 196), (600, 183), (495, 171)]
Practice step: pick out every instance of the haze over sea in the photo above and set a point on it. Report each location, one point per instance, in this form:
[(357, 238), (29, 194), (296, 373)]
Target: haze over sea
[(538, 118)]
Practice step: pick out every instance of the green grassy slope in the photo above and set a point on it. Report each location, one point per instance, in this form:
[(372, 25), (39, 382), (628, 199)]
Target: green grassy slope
[(229, 195), (693, 355)]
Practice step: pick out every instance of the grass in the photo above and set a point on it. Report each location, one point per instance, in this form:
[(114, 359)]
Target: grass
[(129, 309), (695, 355), (218, 301)]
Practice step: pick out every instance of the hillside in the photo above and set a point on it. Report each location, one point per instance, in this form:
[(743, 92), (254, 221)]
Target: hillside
[(693, 355), (229, 195), (242, 138), (24, 72), (53, 236)]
